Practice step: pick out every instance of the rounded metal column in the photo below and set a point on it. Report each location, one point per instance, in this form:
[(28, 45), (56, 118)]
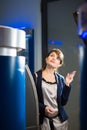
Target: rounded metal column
[(12, 80), (83, 91)]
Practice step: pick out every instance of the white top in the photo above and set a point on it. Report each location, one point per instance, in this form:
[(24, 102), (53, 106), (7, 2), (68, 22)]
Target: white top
[(50, 95), (50, 99)]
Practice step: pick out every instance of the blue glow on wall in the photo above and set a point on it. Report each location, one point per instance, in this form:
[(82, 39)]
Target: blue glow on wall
[(19, 25), (55, 42)]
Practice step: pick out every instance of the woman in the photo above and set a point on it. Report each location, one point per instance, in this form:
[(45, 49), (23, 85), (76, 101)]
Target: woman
[(53, 92)]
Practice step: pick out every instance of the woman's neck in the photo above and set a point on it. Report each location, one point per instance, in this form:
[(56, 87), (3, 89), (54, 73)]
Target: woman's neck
[(49, 70), (48, 74)]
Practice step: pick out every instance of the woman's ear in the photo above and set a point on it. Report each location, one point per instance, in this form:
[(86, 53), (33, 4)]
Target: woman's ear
[(60, 65)]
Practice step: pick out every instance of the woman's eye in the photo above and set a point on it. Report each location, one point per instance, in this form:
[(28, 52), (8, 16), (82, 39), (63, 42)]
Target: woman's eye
[(52, 55), (58, 58)]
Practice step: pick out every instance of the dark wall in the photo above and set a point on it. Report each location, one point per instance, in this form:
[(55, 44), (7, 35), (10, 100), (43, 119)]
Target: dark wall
[(63, 29)]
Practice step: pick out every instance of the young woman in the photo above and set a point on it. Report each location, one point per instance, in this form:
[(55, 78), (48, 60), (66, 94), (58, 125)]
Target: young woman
[(53, 92)]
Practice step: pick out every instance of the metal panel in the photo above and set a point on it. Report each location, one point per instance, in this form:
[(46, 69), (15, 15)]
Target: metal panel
[(32, 112), (12, 93)]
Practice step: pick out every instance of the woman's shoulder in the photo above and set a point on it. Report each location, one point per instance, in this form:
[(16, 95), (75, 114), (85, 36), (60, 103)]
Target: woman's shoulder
[(61, 78), (37, 73), (59, 75)]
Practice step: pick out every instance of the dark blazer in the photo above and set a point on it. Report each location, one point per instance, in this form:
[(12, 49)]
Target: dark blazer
[(62, 95)]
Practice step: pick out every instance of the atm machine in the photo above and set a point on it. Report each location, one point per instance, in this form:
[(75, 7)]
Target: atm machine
[(18, 97)]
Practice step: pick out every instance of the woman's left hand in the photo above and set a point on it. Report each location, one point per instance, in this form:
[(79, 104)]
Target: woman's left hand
[(69, 78)]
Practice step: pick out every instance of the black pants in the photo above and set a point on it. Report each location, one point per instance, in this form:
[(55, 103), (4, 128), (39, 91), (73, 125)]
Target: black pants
[(51, 124)]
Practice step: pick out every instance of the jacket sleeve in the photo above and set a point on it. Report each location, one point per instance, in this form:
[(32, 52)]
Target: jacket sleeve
[(65, 93), (39, 94)]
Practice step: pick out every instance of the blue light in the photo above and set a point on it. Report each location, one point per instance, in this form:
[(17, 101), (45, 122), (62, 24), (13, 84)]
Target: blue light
[(84, 35), (55, 42), (20, 24)]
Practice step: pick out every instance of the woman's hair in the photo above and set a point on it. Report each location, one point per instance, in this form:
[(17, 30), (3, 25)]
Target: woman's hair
[(59, 53)]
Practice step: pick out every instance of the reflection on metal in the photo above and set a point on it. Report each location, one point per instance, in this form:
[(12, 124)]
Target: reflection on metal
[(32, 112), (11, 38), (81, 55), (7, 51)]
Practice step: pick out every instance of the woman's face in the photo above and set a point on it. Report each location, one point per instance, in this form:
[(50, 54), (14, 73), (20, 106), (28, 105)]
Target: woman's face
[(53, 60)]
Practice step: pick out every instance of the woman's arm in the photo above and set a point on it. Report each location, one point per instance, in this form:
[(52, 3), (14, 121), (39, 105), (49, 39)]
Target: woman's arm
[(67, 87), (65, 94)]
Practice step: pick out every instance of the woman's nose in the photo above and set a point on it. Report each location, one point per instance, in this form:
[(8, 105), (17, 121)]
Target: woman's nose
[(54, 58)]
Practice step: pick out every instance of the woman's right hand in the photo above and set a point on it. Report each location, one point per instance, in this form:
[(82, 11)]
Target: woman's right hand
[(49, 110)]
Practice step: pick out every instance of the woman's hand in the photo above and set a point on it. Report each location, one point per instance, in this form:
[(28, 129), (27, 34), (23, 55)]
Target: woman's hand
[(69, 78), (49, 110)]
